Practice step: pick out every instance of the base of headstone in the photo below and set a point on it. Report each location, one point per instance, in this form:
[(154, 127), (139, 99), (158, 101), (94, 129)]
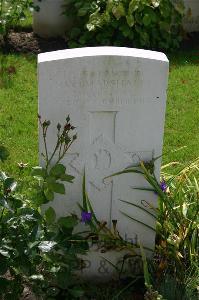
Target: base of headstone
[(111, 265)]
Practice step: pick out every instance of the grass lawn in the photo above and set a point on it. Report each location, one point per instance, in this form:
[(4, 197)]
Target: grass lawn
[(18, 108)]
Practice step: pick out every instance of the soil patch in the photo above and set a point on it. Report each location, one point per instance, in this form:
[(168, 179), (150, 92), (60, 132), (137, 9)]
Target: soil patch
[(28, 42)]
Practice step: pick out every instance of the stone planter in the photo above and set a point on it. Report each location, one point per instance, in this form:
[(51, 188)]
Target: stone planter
[(49, 21)]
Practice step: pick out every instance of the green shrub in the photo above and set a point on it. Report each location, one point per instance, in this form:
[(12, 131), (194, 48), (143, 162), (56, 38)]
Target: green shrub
[(138, 23), (175, 269), (11, 12), (39, 251)]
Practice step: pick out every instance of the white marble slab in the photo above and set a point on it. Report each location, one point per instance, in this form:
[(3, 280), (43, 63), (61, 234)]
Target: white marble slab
[(116, 98)]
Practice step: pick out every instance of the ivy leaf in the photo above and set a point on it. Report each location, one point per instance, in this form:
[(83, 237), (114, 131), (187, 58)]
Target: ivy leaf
[(155, 3), (130, 20), (82, 12), (146, 20), (133, 6), (47, 246), (118, 11), (90, 27)]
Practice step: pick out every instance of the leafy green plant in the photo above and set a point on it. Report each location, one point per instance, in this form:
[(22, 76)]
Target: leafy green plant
[(39, 251), (11, 12), (51, 176), (155, 24), (177, 224)]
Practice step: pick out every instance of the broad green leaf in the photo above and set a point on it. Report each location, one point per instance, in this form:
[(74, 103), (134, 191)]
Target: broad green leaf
[(37, 277), (155, 3), (50, 215), (82, 12), (47, 246), (49, 194), (146, 20), (118, 11), (68, 222), (58, 188), (133, 6), (90, 27), (130, 20), (10, 184), (50, 179), (67, 178), (57, 170), (4, 253)]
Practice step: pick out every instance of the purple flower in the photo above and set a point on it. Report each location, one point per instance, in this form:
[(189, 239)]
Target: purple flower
[(86, 216), (163, 186)]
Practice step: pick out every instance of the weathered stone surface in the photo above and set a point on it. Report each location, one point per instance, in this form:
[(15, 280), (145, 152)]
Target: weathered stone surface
[(49, 21), (116, 98), (191, 18)]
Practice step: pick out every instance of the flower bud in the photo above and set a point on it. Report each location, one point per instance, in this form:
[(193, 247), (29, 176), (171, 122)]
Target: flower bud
[(58, 126), (68, 119), (67, 126), (74, 137)]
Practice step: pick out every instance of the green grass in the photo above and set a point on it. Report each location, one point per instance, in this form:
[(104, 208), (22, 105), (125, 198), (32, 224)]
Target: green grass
[(182, 115), (18, 109)]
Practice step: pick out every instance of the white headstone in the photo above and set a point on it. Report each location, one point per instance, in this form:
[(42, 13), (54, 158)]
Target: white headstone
[(116, 98)]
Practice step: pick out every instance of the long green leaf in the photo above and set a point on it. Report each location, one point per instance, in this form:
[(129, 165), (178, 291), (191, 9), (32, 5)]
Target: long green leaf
[(140, 207), (145, 267), (125, 171), (140, 222), (85, 208)]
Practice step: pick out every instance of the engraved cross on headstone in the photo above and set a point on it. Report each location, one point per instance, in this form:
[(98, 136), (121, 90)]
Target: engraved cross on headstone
[(102, 159)]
